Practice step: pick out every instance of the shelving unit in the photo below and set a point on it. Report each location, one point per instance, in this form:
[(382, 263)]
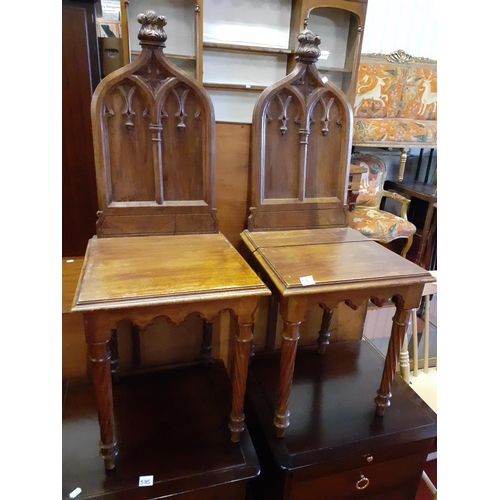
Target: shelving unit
[(245, 49), (340, 25), (184, 30), (236, 48)]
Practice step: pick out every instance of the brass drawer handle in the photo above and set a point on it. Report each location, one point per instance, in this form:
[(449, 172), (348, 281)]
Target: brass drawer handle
[(362, 483)]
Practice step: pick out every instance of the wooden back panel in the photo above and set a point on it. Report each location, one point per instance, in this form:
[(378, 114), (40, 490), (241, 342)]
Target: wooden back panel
[(153, 128), (301, 144)]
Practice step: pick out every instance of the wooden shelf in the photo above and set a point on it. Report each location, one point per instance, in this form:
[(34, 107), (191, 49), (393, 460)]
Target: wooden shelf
[(234, 86), (337, 70), (135, 53), (246, 48)]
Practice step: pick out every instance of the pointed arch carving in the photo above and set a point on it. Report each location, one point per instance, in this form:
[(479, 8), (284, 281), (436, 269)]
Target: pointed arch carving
[(301, 142), (153, 128)]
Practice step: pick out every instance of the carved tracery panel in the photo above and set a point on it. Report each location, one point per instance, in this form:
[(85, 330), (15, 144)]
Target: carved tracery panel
[(325, 141), (282, 154), (183, 122), (126, 132), (153, 129), (301, 145)]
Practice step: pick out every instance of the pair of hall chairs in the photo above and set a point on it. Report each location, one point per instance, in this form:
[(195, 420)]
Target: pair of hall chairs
[(158, 250)]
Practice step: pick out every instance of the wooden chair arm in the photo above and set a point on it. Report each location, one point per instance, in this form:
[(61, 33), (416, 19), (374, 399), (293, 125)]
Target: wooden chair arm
[(400, 199)]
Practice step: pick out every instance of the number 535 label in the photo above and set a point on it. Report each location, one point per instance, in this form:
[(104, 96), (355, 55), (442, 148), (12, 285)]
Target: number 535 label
[(146, 481)]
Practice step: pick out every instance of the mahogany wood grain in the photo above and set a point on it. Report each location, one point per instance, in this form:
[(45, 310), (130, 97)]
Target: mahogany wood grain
[(324, 333), (232, 188), (71, 269), (398, 331), (310, 120), (297, 226), (349, 270), (80, 76), (158, 252), (140, 279), (74, 348), (335, 435), (187, 451), (160, 270), (289, 342), (153, 128), (427, 193), (101, 374)]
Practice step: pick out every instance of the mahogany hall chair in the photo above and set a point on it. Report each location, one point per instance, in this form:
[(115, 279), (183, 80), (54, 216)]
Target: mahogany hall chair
[(297, 230), (158, 251)]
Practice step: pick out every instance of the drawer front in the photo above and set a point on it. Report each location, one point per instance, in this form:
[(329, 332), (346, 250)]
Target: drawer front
[(369, 481)]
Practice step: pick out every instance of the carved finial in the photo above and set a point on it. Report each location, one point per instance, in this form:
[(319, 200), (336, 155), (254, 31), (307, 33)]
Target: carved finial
[(152, 32), (308, 50)]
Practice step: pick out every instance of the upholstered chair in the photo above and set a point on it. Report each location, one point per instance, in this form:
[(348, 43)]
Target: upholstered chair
[(367, 217)]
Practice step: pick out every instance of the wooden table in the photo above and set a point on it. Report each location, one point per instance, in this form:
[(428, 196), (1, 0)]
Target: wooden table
[(141, 278), (337, 265), (74, 361), (187, 451)]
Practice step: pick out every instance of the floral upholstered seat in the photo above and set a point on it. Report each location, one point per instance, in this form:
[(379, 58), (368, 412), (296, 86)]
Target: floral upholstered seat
[(367, 218)]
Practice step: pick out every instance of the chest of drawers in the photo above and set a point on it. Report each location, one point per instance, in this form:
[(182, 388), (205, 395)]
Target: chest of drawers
[(336, 448)]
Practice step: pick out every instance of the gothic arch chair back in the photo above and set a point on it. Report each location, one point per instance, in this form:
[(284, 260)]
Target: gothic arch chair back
[(153, 127), (301, 143)]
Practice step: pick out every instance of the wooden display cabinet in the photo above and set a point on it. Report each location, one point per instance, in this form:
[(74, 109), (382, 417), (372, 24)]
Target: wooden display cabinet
[(340, 25), (269, 54), (237, 49), (185, 31)]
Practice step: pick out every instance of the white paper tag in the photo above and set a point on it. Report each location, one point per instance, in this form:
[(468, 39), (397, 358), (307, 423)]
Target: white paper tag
[(75, 492), (307, 280), (146, 481), (324, 79), (324, 54)]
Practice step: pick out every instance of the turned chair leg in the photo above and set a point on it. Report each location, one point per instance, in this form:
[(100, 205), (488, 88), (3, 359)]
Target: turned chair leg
[(426, 334), (136, 347), (290, 339), (240, 372), (399, 326), (429, 485), (407, 246), (404, 360), (101, 374), (414, 333), (402, 163), (206, 346), (115, 358), (324, 331)]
